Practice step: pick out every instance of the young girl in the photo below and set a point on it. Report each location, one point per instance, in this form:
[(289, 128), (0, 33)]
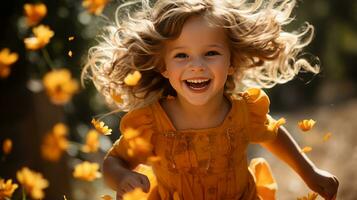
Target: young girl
[(188, 111)]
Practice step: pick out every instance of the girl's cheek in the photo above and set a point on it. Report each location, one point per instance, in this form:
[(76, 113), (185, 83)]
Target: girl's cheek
[(179, 64)]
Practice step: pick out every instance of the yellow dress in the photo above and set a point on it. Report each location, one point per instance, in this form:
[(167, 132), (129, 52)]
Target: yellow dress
[(204, 164)]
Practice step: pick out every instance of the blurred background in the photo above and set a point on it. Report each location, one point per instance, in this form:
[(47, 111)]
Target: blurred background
[(43, 112)]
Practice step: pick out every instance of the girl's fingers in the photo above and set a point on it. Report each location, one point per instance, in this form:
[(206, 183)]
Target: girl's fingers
[(134, 184), (145, 183), (139, 182)]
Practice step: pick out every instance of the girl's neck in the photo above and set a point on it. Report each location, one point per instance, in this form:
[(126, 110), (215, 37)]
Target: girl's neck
[(211, 108), (187, 116)]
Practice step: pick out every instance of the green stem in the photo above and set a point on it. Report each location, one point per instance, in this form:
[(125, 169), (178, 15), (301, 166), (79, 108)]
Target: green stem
[(23, 194), (47, 57), (42, 69)]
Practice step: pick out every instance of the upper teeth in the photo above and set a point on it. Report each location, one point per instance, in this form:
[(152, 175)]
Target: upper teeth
[(197, 81)]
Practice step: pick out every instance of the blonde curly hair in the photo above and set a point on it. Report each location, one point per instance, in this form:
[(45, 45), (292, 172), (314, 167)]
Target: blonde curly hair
[(261, 52)]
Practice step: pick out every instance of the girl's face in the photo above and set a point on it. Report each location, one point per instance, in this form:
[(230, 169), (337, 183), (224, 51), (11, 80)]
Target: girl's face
[(198, 62)]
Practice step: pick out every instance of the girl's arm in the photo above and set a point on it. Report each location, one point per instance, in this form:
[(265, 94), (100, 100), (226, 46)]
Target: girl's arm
[(286, 148), (120, 178)]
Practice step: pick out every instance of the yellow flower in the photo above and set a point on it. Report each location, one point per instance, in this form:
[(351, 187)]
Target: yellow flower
[(136, 194), (275, 126), (60, 86), (327, 136), (42, 37), (7, 146), (306, 125), (32, 182), (34, 13), (306, 149), (310, 196), (7, 188), (101, 127), (130, 133), (55, 143), (132, 79), (95, 6), (60, 129), (6, 60), (106, 197), (87, 171), (137, 145), (92, 142)]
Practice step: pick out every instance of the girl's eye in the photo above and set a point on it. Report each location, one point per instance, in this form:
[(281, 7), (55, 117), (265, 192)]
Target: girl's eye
[(212, 53), (181, 55)]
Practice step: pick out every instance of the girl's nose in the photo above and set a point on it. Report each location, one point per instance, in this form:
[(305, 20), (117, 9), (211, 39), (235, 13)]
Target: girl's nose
[(197, 69), (197, 66)]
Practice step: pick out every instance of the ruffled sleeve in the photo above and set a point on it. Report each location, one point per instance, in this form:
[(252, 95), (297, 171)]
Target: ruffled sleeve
[(134, 145), (261, 126)]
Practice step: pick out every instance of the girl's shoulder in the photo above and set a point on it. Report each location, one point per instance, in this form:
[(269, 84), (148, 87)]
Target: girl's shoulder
[(261, 127), (137, 118), (253, 101)]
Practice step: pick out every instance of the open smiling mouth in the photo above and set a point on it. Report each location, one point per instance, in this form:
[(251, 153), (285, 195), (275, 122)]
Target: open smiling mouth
[(198, 85)]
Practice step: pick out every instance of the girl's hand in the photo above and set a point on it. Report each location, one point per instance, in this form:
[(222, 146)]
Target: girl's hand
[(130, 180), (324, 183)]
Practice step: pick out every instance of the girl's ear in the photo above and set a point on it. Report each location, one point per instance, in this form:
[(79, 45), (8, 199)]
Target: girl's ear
[(165, 74), (231, 70)]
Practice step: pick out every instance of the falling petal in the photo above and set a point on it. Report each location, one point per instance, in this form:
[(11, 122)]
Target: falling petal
[(7, 146), (306, 125), (306, 149), (132, 79), (327, 136), (101, 127), (275, 126), (310, 196)]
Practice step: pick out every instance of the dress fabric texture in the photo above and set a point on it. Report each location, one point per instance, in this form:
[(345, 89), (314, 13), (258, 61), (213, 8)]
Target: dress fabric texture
[(204, 164)]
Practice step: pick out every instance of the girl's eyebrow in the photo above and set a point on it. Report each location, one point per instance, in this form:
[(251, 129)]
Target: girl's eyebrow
[(216, 45), (211, 45)]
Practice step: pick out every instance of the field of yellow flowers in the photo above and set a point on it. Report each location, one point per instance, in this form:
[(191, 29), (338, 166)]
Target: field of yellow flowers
[(59, 85)]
